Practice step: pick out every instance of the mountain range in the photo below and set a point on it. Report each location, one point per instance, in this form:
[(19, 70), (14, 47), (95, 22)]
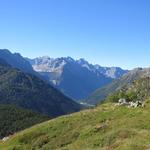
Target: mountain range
[(75, 78)]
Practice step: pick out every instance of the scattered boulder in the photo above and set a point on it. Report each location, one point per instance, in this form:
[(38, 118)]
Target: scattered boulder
[(136, 104), (5, 139), (123, 102)]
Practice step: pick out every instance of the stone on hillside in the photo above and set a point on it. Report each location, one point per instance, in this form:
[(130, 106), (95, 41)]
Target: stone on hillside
[(5, 139), (122, 101)]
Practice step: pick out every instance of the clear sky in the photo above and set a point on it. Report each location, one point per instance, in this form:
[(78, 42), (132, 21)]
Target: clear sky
[(107, 32)]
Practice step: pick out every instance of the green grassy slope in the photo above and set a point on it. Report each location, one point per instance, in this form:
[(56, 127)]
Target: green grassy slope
[(107, 127), (13, 119)]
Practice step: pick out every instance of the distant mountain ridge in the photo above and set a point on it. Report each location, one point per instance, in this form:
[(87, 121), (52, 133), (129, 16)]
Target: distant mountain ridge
[(111, 72), (75, 78), (16, 61)]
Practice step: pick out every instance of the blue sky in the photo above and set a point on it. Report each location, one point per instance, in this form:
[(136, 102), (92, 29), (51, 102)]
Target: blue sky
[(107, 32)]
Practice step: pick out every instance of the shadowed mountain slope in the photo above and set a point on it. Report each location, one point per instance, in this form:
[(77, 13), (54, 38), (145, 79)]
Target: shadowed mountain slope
[(28, 91), (14, 119)]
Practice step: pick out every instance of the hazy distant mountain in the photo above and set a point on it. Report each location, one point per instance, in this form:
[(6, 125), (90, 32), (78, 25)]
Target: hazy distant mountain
[(76, 78), (16, 61), (117, 84), (28, 91), (111, 72)]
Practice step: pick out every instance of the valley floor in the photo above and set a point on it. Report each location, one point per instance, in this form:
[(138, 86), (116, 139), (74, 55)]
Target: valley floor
[(107, 127)]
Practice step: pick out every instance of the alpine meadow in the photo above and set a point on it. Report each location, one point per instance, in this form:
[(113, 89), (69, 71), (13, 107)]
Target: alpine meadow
[(74, 75)]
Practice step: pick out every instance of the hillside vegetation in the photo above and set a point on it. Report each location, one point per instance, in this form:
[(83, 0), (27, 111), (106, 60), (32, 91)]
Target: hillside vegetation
[(127, 79), (139, 90), (13, 119), (107, 127)]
